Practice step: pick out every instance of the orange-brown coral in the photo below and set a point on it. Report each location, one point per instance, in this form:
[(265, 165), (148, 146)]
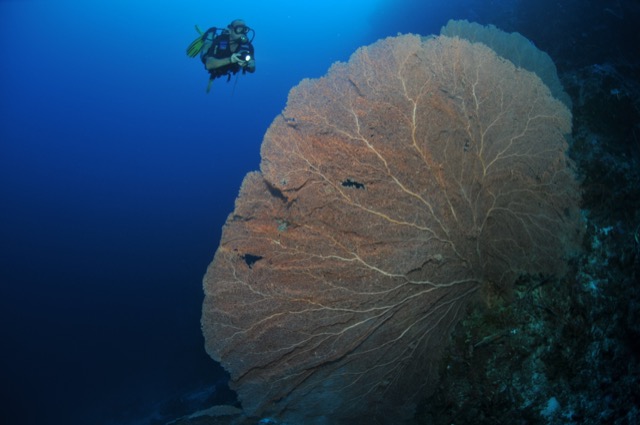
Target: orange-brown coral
[(389, 191)]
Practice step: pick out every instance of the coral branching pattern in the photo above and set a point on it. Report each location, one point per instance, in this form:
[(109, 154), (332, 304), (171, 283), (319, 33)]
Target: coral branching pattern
[(390, 191)]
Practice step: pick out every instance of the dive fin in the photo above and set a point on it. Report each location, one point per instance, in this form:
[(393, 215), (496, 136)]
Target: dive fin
[(209, 85), (194, 48)]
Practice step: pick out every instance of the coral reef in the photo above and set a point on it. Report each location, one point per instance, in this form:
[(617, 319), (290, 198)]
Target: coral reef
[(565, 352), (391, 192)]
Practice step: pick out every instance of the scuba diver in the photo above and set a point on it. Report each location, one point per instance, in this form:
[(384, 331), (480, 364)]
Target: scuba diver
[(225, 51)]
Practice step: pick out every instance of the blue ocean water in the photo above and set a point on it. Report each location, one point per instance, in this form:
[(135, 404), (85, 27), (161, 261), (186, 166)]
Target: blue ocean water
[(117, 173)]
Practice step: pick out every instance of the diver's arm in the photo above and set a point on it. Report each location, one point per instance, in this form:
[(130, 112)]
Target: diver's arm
[(214, 63)]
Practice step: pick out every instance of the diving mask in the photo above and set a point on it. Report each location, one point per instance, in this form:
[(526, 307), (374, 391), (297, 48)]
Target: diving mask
[(241, 29)]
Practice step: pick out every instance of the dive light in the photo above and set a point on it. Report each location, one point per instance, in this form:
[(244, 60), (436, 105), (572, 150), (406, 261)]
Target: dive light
[(245, 55)]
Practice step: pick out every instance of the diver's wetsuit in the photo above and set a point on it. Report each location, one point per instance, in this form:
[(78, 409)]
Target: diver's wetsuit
[(220, 49)]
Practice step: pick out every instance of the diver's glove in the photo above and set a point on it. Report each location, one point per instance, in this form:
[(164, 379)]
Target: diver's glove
[(236, 58)]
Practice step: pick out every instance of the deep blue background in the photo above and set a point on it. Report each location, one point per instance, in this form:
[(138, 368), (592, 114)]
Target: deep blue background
[(117, 173)]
